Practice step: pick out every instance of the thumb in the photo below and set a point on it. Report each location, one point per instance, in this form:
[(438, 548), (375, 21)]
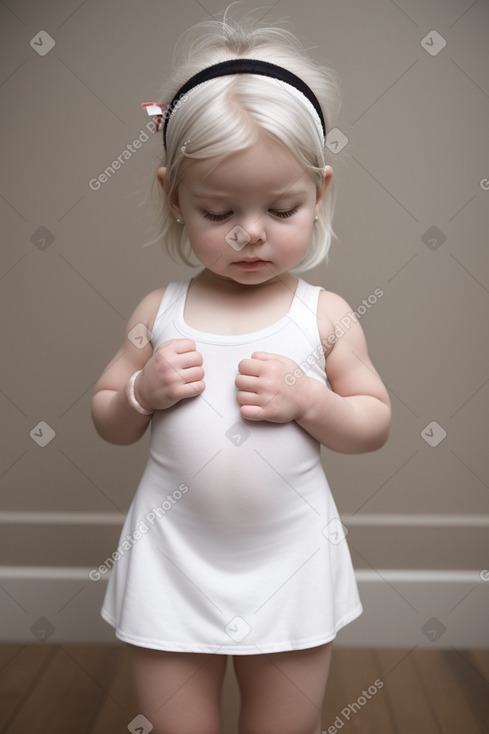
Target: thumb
[(264, 356)]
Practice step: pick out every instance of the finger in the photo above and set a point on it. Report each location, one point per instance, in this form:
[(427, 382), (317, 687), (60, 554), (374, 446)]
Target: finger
[(176, 345), (192, 374), (191, 389), (249, 367), (188, 359), (251, 412), (263, 356), (182, 346), (247, 398), (246, 382)]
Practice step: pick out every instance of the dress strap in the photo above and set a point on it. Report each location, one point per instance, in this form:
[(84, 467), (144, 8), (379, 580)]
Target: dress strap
[(171, 305), (304, 310), (306, 297)]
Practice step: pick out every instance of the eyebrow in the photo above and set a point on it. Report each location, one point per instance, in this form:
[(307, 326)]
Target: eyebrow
[(209, 196), (274, 194)]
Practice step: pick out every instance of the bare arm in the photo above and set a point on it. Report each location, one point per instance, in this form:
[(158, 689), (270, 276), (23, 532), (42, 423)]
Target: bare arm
[(114, 418), (172, 373), (352, 417)]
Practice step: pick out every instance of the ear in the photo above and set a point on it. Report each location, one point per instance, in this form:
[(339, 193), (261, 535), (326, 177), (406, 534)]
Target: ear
[(173, 197), (328, 175), (161, 176)]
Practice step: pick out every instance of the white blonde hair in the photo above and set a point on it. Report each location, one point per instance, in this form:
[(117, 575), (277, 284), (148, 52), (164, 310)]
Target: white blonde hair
[(227, 114)]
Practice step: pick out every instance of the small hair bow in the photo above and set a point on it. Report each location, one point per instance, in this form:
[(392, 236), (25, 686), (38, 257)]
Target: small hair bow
[(155, 109)]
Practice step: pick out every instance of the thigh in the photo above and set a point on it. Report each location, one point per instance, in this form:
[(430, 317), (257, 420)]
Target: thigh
[(178, 692), (283, 693)]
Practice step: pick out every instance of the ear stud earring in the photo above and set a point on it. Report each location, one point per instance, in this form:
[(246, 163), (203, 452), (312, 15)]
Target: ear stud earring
[(179, 221)]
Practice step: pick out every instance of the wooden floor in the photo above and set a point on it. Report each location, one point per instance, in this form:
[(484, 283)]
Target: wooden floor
[(78, 689)]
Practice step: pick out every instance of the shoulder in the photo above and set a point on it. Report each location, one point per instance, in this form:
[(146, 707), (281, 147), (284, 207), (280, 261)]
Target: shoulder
[(333, 306), (336, 318), (146, 310)]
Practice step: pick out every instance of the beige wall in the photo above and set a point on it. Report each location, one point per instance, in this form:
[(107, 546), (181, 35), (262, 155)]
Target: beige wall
[(416, 160)]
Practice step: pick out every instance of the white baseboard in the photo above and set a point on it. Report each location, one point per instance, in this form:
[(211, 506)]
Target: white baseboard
[(359, 520), (406, 609)]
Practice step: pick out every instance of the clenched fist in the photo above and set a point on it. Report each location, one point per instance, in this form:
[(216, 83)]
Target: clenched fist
[(173, 373), (265, 394)]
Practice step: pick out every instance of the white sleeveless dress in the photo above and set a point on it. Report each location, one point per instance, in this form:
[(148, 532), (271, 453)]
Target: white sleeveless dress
[(232, 544)]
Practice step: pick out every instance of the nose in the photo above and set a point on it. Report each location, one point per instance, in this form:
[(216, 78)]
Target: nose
[(254, 227)]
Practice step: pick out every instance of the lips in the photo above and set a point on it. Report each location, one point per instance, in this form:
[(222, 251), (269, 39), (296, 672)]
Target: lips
[(251, 264)]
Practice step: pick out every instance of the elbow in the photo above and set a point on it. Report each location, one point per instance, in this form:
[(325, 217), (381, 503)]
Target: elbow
[(374, 431), (379, 440), (380, 436), (116, 437), (113, 426), (108, 433)]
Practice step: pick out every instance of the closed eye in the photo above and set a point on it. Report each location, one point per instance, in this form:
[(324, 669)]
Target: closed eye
[(283, 214), (216, 217)]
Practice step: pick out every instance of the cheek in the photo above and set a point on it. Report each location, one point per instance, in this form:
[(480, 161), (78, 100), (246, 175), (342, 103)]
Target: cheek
[(296, 245), (297, 237), (205, 242)]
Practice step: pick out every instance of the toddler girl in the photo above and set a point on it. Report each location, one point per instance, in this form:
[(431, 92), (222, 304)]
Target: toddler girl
[(233, 545)]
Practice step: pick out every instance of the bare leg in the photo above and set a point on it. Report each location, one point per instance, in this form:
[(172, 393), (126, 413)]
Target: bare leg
[(283, 693), (178, 692)]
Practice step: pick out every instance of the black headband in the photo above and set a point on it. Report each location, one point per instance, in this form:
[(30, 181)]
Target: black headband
[(245, 66)]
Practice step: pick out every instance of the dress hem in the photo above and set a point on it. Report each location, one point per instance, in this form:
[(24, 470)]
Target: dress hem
[(288, 646)]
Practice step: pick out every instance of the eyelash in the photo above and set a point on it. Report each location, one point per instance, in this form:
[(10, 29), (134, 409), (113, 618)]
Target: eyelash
[(285, 214), (216, 217), (222, 217)]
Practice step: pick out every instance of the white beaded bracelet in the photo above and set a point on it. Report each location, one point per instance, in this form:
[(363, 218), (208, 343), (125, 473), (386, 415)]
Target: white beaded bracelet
[(132, 398)]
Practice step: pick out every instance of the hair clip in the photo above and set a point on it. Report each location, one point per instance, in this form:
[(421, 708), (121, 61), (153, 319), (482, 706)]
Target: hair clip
[(155, 109)]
